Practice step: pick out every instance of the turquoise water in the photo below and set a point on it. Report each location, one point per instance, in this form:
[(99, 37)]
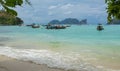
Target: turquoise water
[(77, 47)]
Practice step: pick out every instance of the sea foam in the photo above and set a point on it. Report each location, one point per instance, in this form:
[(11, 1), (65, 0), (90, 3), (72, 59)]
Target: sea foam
[(50, 58)]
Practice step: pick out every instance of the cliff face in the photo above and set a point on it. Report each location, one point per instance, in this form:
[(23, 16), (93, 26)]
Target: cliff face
[(71, 21), (84, 21), (54, 22), (7, 19)]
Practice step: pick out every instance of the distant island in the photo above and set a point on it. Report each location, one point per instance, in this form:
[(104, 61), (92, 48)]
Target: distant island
[(70, 21), (114, 22), (8, 19)]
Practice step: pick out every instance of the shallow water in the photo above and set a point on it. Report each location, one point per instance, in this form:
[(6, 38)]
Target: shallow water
[(77, 47)]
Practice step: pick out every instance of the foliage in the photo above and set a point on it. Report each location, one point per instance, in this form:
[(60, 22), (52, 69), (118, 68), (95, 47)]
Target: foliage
[(113, 9), (8, 19), (8, 5)]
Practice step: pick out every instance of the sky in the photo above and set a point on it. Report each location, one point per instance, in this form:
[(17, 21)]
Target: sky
[(43, 11)]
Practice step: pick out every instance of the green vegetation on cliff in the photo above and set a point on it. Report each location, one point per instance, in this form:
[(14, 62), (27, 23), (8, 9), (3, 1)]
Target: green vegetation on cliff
[(8, 19)]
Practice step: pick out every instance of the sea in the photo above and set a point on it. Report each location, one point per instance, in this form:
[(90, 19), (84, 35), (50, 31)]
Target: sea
[(76, 48)]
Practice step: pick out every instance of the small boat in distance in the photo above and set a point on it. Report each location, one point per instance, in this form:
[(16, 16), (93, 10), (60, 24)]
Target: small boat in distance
[(100, 27), (55, 27), (35, 26), (67, 25), (29, 25)]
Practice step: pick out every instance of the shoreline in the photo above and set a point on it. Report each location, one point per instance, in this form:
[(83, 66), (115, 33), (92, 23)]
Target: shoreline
[(13, 64), (10, 64)]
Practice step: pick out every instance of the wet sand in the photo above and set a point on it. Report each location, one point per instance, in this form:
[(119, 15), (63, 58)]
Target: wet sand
[(9, 64)]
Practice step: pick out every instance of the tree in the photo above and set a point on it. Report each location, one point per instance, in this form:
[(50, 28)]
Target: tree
[(8, 19), (18, 21), (8, 5), (113, 9)]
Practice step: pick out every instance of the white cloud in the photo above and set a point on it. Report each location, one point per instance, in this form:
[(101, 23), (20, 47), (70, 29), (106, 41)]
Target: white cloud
[(50, 13), (67, 6), (78, 9), (46, 10), (52, 7), (68, 12)]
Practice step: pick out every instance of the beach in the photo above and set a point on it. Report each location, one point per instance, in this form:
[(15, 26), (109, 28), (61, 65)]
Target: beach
[(78, 48), (9, 64)]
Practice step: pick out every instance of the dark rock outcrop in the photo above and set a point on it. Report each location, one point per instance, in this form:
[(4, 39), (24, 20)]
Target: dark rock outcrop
[(54, 22), (83, 22), (70, 21)]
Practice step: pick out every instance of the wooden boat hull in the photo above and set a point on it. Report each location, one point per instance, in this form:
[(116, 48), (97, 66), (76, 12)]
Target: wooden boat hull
[(55, 27)]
